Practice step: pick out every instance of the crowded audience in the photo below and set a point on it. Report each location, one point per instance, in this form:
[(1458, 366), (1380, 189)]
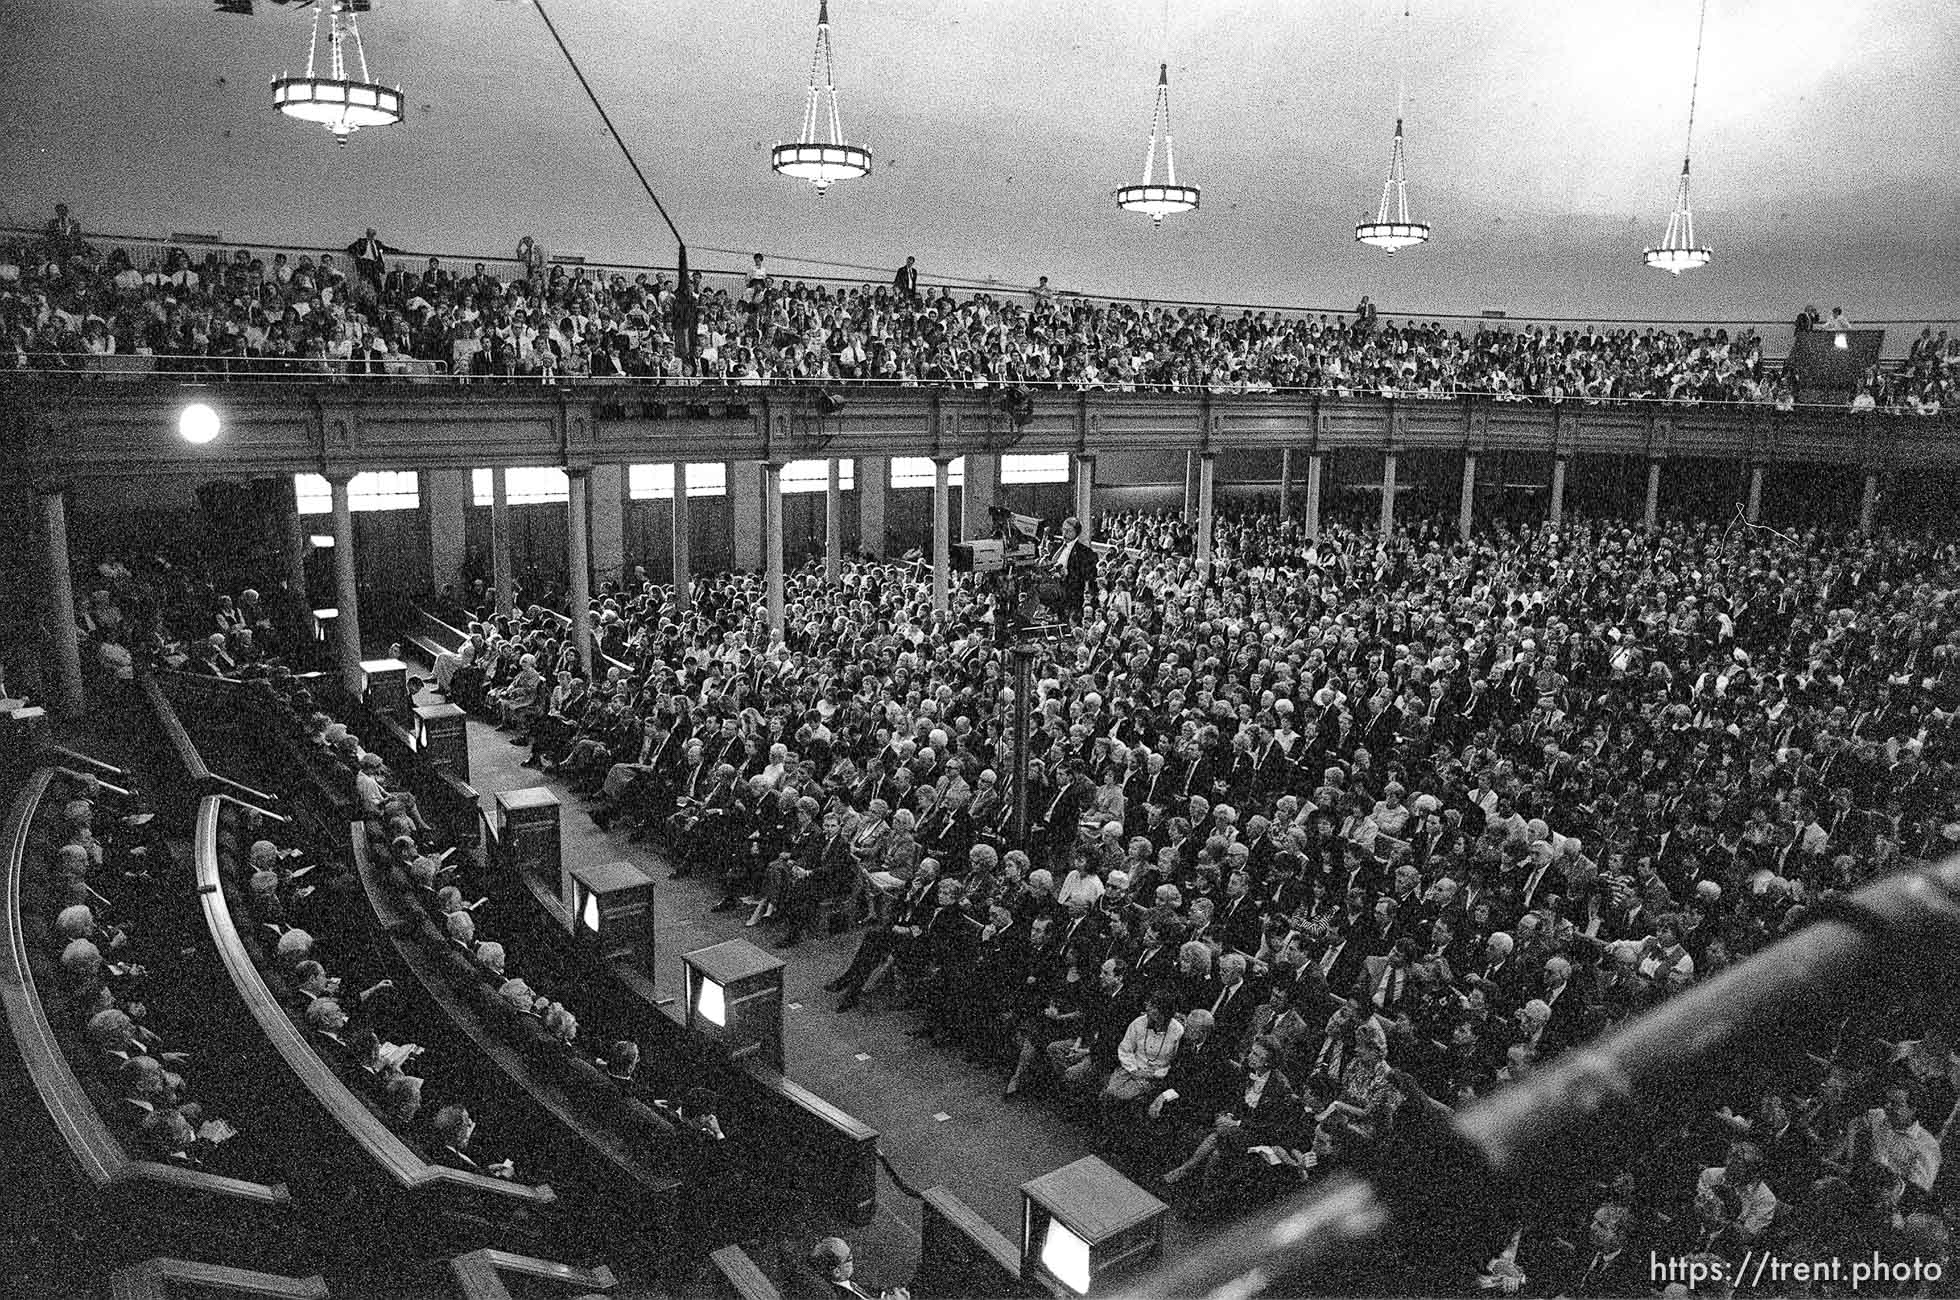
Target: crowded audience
[(115, 976), (1340, 835), (65, 302)]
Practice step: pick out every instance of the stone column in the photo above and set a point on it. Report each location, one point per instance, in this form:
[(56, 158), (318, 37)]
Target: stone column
[(977, 495), (346, 584), (606, 504), (1286, 484), (1868, 508), (1190, 486), (1388, 493), (1207, 472), (500, 539), (874, 476), (1557, 512), (1653, 515), (833, 523), (745, 512), (772, 545), (1316, 470), (942, 532), (1755, 508), (61, 603), (444, 497), (1085, 495), (683, 538), (1466, 502), (578, 561)]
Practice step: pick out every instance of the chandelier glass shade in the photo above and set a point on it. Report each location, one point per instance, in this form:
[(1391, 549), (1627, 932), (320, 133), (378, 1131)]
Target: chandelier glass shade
[(1678, 251), (335, 98), (821, 160), (1159, 200), (1391, 229)]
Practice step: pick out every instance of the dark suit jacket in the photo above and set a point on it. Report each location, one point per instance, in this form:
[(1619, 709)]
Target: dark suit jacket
[(1203, 1077), (1370, 979), (1236, 1014), (1278, 1101)]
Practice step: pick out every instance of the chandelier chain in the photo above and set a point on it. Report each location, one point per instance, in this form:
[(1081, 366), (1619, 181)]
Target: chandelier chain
[(1402, 67), (1694, 86), (313, 41), (360, 50)]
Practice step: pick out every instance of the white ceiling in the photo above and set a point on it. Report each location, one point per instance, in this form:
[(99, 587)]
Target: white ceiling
[(1544, 140)]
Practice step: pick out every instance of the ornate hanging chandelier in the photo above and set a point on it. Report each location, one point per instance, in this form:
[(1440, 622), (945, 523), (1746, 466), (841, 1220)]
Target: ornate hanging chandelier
[(1391, 229), (1678, 250), (1150, 198), (342, 103), (821, 161)]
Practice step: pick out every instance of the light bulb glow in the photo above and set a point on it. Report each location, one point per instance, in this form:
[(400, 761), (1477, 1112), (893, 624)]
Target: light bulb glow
[(709, 1003), (197, 424), (1066, 1257)]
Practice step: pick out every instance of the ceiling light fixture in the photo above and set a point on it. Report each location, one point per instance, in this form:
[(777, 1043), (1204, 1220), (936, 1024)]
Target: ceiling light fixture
[(1678, 250), (1391, 229), (1153, 200), (821, 161), (340, 102)]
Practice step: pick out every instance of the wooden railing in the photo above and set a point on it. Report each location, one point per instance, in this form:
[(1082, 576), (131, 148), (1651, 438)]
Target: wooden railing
[(480, 1274), (392, 1158), (161, 1278), (96, 1151), (739, 1277)]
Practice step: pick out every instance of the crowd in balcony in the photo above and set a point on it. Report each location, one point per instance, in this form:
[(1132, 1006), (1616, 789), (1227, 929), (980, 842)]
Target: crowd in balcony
[(1329, 841), (372, 312)]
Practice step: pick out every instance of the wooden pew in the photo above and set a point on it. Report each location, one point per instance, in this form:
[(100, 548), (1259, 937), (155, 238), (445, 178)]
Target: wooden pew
[(830, 1153), (835, 1153), (431, 635), (217, 708), (479, 1274), (160, 1279), (632, 1157), (175, 735), (396, 1163), (738, 1277), (961, 1254), (145, 1187), (189, 757)]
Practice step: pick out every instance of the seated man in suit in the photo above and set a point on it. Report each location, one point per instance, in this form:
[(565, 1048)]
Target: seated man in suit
[(454, 1128), (1258, 1100), (831, 1260)]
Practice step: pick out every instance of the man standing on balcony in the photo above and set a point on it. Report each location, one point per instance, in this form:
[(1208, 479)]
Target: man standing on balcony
[(370, 263)]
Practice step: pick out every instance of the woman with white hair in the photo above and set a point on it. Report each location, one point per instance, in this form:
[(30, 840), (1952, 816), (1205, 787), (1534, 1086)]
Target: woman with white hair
[(518, 703)]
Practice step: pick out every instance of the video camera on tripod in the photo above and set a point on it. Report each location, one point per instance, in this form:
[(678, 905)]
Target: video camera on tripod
[(1026, 596)]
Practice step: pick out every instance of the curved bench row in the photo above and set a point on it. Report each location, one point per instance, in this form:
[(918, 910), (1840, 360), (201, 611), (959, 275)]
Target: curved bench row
[(479, 1275), (392, 1158), (96, 1152), (638, 1152)]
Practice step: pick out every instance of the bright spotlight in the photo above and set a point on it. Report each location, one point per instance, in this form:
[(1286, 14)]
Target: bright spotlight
[(197, 423)]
